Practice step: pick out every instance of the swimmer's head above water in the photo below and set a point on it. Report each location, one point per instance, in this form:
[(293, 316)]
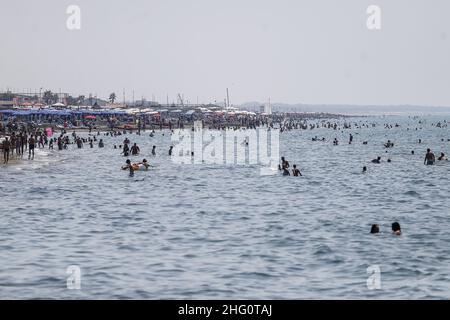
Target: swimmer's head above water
[(375, 228), (396, 228)]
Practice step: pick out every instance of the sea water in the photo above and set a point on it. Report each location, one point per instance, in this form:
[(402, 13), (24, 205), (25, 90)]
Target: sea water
[(181, 231)]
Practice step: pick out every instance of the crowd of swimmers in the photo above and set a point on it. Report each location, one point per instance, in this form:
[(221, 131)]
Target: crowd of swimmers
[(24, 140), (430, 159)]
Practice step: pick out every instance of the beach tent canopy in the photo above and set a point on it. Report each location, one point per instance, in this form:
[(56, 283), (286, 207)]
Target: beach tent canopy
[(58, 104), (65, 113)]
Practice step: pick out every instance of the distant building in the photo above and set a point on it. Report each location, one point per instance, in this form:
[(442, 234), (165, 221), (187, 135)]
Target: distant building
[(6, 104)]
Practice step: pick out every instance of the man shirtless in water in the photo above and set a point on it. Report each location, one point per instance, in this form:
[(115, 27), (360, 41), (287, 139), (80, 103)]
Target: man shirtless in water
[(284, 164), (429, 158)]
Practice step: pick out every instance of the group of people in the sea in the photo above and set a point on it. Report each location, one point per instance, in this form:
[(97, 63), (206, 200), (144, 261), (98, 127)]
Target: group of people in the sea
[(22, 142), (132, 167), (27, 139), (396, 229), (430, 159), (284, 167)]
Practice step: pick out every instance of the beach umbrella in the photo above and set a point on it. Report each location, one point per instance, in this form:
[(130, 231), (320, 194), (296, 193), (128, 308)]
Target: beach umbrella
[(49, 132), (90, 117)]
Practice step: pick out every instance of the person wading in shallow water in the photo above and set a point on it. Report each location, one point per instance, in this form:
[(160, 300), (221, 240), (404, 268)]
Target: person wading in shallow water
[(284, 164), (6, 147), (296, 172), (31, 145), (129, 166), (135, 150), (429, 158), (126, 150)]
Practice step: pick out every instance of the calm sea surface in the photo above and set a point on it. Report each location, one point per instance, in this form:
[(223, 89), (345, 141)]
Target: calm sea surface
[(226, 232)]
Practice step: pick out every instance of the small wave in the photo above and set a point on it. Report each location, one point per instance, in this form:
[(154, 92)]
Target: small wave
[(412, 193), (322, 250)]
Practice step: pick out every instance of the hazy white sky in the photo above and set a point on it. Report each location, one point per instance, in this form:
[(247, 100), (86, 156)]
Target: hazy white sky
[(316, 51)]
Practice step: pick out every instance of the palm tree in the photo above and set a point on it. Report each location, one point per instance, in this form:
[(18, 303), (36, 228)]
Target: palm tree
[(50, 97), (112, 97)]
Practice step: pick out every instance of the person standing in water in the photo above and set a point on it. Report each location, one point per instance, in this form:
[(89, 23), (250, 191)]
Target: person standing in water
[(429, 158), (135, 150), (170, 150), (60, 143), (154, 150), (17, 146), (6, 147), (296, 172), (23, 141), (126, 150), (284, 163), (31, 144), (79, 143)]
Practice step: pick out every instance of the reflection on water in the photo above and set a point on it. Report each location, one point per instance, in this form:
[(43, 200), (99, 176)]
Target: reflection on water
[(205, 231)]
